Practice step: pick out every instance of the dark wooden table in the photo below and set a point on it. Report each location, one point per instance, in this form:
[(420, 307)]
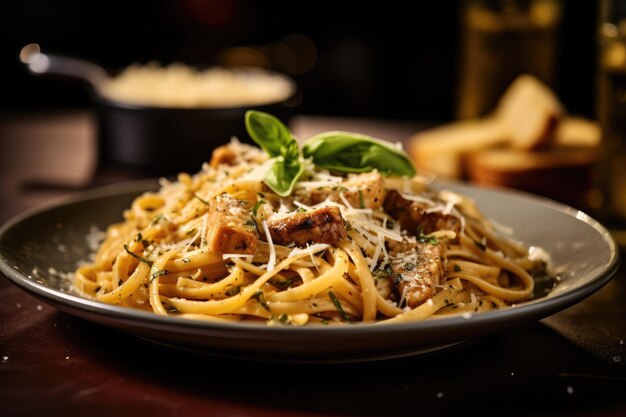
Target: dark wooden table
[(572, 363)]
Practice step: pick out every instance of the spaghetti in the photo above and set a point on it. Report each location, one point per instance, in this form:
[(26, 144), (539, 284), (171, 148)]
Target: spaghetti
[(221, 246)]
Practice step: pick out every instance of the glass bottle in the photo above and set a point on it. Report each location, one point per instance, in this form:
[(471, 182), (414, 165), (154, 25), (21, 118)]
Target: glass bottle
[(501, 39), (611, 108)]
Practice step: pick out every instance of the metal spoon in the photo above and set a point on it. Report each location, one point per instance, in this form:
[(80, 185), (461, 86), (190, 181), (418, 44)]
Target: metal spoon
[(41, 63)]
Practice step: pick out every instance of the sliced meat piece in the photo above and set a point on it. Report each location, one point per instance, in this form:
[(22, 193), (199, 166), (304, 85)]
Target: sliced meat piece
[(323, 225), (416, 269), (222, 155), (369, 186), (231, 227), (412, 214)]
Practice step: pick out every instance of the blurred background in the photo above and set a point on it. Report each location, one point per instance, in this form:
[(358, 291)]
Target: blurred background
[(379, 61), (382, 70)]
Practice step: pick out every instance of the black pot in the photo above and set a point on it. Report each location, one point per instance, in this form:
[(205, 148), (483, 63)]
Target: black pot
[(165, 141), (156, 140)]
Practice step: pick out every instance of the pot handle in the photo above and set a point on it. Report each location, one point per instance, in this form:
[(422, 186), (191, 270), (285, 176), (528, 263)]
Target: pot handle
[(41, 63)]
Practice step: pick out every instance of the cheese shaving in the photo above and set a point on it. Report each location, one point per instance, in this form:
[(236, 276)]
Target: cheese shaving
[(271, 263)]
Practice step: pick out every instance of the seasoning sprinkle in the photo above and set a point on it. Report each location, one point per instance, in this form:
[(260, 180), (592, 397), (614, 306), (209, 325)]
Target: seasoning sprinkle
[(338, 306), (139, 258), (261, 299), (201, 199)]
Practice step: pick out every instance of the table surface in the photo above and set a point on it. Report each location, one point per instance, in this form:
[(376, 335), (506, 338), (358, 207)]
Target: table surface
[(572, 363)]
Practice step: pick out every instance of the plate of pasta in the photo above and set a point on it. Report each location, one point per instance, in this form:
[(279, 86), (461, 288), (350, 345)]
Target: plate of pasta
[(336, 250)]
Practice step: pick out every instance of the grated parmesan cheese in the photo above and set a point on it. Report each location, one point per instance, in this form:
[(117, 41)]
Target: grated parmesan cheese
[(205, 220), (417, 199), (247, 258), (403, 296), (317, 247), (271, 263)]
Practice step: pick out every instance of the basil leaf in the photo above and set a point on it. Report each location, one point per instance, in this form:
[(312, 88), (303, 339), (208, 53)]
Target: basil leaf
[(271, 134), (352, 152), (283, 174)]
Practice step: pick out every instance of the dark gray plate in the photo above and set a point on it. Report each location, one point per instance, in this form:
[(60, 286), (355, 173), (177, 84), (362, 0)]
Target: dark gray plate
[(54, 237)]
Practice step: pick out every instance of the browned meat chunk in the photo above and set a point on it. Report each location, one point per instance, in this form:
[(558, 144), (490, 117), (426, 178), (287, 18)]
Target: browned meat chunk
[(324, 225), (416, 269), (231, 227), (412, 214), (222, 155), (368, 189)]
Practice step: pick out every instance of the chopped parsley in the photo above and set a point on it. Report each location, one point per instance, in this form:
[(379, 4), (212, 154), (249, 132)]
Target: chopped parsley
[(422, 238), (201, 199), (361, 200), (338, 306), (233, 291), (139, 258), (255, 208), (383, 272), (261, 299), (480, 245), (157, 273), (283, 284), (139, 238), (457, 268), (156, 219)]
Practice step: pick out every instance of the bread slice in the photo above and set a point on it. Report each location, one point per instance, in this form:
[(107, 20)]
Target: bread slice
[(577, 132), (441, 149), (530, 112), (566, 175)]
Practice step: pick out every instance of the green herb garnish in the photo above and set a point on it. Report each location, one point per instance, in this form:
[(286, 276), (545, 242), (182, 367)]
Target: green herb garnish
[(201, 199), (480, 245), (284, 318), (139, 258), (261, 299), (284, 284), (361, 200), (338, 306), (233, 291), (276, 139), (337, 151), (457, 268), (157, 273), (422, 238), (156, 219), (352, 152), (383, 272), (255, 208), (139, 238)]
